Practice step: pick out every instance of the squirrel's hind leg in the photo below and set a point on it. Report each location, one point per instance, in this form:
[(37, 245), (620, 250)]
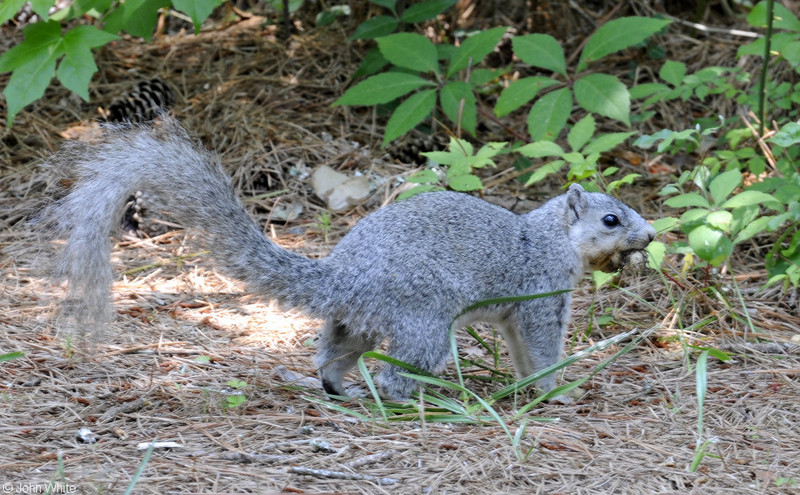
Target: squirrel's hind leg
[(424, 345), (337, 351)]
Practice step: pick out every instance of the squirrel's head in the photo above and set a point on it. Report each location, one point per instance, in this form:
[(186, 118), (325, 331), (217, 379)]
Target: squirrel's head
[(607, 233)]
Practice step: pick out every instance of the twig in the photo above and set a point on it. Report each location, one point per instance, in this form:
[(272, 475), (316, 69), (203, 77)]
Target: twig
[(340, 475)]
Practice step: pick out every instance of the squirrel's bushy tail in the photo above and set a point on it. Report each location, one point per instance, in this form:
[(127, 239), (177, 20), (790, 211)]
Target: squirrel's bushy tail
[(180, 177)]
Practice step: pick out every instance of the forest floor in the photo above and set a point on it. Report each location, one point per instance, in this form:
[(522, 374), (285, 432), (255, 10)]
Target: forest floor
[(185, 337)]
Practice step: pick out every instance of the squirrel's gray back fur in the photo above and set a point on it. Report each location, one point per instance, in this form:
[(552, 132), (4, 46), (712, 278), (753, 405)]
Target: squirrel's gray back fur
[(402, 273)]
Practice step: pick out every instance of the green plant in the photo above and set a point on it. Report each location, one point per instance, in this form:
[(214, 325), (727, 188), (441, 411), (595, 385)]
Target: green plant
[(324, 224), (461, 159), (237, 397), (416, 74), (56, 46), (8, 356)]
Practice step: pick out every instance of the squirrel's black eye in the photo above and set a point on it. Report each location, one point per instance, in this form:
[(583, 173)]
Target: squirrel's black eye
[(610, 220)]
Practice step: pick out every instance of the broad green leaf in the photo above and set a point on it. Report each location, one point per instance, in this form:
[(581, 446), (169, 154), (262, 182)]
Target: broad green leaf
[(673, 72), (686, 200), (424, 11), (424, 177), (540, 50), (617, 35), (381, 88), (540, 149), (451, 96), (520, 92), (782, 17), (41, 39), (724, 184), (9, 8), (374, 28), (581, 132), (647, 89), (467, 182), (136, 17), (746, 198), (28, 82), (41, 8), (409, 113), (665, 224), (655, 254), (372, 63), (607, 142), (710, 244), (388, 4), (76, 69), (409, 50), (604, 94), (549, 115), (720, 220), (788, 135), (198, 10), (474, 49), (545, 170), (479, 77), (755, 227)]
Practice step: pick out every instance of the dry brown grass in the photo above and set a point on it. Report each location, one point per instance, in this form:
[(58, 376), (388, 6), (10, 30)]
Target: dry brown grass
[(264, 107)]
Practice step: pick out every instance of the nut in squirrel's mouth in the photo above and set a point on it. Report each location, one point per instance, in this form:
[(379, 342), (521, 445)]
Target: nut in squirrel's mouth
[(632, 259)]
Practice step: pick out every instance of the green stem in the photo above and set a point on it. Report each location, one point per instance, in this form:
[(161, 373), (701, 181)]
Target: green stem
[(762, 94)]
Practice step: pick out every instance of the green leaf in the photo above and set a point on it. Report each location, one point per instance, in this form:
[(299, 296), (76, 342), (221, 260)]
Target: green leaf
[(604, 94), (9, 8), (424, 11), (450, 98), (655, 254), (755, 227), (374, 28), (136, 17), (665, 224), (424, 177), (581, 132), (409, 113), (388, 4), (647, 89), (33, 62), (549, 115), (746, 198), (418, 190), (198, 10), (617, 35), (673, 72), (724, 184), (381, 88), (710, 244), (520, 92), (8, 356), (720, 220), (540, 149), (540, 50), (545, 170), (409, 50), (788, 135), (466, 182), (41, 39), (607, 142), (372, 63), (686, 200), (77, 67), (782, 17), (474, 49)]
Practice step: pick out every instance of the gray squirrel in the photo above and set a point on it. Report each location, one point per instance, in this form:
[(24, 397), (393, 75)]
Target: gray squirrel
[(403, 273)]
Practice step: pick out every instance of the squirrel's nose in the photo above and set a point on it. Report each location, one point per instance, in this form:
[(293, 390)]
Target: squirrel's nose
[(650, 233)]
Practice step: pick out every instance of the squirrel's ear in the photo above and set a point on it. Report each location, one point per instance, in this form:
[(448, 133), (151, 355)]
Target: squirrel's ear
[(576, 203)]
